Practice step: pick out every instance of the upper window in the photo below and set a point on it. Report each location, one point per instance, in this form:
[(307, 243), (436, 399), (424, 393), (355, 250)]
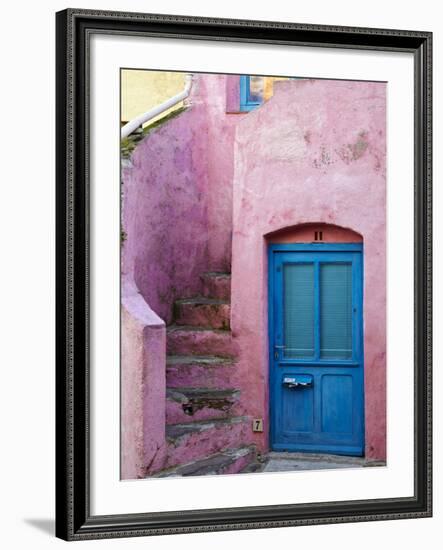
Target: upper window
[(251, 92), (254, 90)]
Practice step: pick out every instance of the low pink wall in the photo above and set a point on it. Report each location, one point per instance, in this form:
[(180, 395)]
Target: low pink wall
[(143, 386), (315, 153)]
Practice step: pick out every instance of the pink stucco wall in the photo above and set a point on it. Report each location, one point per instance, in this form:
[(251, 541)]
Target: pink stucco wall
[(143, 385), (220, 154), (213, 185), (314, 153)]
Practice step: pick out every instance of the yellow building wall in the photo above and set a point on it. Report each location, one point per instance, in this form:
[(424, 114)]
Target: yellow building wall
[(268, 91), (142, 90)]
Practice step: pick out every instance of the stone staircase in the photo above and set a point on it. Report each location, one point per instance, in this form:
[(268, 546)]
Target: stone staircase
[(205, 431)]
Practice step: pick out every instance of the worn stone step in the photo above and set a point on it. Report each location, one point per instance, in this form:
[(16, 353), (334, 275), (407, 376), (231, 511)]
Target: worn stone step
[(196, 440), (188, 340), (217, 285), (194, 371), (252, 467), (203, 312), (185, 404), (229, 461)]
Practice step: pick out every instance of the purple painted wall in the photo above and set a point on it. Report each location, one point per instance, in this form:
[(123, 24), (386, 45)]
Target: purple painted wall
[(163, 189), (189, 180), (315, 153)]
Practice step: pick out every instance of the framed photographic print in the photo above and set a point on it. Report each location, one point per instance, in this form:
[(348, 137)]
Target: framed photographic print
[(243, 274)]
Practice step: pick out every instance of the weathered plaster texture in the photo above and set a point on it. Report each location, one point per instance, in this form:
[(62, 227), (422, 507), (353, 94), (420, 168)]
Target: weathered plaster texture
[(165, 212), (232, 93), (314, 153), (177, 199), (143, 386), (219, 139)]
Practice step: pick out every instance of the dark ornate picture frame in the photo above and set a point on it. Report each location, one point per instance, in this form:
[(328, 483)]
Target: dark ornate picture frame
[(73, 517)]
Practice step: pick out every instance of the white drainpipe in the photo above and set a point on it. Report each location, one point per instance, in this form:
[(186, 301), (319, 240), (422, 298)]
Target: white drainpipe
[(145, 117)]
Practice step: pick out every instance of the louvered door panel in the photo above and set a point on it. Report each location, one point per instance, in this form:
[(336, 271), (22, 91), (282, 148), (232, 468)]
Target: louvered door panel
[(336, 311)]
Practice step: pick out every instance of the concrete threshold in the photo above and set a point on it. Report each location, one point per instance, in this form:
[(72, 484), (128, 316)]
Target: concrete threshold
[(289, 462)]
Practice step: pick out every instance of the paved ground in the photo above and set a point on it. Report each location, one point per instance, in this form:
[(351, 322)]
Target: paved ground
[(288, 462)]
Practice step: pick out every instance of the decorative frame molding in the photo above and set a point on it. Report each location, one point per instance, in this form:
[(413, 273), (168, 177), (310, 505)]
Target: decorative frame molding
[(74, 29)]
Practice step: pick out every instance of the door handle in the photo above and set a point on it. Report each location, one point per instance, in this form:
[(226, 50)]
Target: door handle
[(276, 350)]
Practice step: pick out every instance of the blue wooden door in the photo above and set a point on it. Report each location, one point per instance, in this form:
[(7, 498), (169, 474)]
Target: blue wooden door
[(316, 348)]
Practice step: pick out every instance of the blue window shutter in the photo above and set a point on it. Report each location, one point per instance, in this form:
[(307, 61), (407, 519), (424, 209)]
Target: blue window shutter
[(298, 295), (336, 311)]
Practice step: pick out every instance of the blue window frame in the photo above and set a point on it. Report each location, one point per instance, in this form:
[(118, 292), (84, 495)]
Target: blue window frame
[(252, 90), (248, 99)]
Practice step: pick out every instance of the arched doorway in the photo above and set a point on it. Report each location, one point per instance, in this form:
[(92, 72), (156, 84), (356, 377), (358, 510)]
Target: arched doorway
[(316, 340)]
